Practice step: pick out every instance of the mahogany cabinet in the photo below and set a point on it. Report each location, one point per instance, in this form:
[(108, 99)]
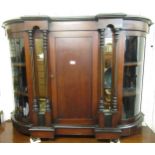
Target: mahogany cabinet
[(78, 75)]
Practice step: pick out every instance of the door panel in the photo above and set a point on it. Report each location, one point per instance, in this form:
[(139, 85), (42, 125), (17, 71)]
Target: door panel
[(73, 96), (73, 72)]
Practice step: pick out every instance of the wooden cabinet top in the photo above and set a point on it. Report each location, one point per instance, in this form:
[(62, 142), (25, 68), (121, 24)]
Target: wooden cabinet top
[(100, 21)]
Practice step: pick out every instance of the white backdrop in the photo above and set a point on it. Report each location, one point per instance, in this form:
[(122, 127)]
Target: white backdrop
[(16, 8)]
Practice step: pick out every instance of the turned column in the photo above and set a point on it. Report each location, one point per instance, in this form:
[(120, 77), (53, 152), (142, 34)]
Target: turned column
[(115, 85), (101, 101), (35, 106), (48, 118)]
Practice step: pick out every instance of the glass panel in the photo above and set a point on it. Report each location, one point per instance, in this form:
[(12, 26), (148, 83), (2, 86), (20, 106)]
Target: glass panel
[(107, 63), (133, 73), (17, 50), (134, 49), (19, 78), (40, 72), (22, 108)]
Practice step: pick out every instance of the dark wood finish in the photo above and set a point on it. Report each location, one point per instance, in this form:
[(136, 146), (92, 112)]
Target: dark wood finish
[(72, 95), (101, 118), (29, 25), (101, 103), (21, 126), (42, 132), (74, 100), (8, 134), (107, 133), (48, 118), (74, 131), (28, 73), (73, 80), (120, 71), (35, 107), (31, 82)]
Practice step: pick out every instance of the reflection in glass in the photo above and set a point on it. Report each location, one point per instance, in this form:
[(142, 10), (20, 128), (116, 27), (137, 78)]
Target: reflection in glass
[(134, 49), (133, 71), (19, 77), (107, 63), (17, 51), (40, 68), (22, 108)]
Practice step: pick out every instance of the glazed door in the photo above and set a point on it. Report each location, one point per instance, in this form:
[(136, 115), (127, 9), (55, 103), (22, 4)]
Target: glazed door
[(73, 60)]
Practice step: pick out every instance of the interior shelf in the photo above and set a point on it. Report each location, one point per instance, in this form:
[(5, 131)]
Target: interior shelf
[(21, 64), (133, 64), (20, 93), (130, 92)]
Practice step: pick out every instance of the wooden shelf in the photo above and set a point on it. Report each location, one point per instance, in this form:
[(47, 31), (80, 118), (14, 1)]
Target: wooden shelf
[(107, 88), (20, 93), (18, 64), (108, 53), (133, 64), (130, 92)]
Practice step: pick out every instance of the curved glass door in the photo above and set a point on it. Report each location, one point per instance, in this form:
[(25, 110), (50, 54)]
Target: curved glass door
[(133, 73), (19, 77)]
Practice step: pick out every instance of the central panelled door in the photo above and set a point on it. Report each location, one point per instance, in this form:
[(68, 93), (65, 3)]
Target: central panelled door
[(74, 74)]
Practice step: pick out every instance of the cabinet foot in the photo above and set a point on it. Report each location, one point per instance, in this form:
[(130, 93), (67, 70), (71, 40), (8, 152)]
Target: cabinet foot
[(115, 141), (35, 140)]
